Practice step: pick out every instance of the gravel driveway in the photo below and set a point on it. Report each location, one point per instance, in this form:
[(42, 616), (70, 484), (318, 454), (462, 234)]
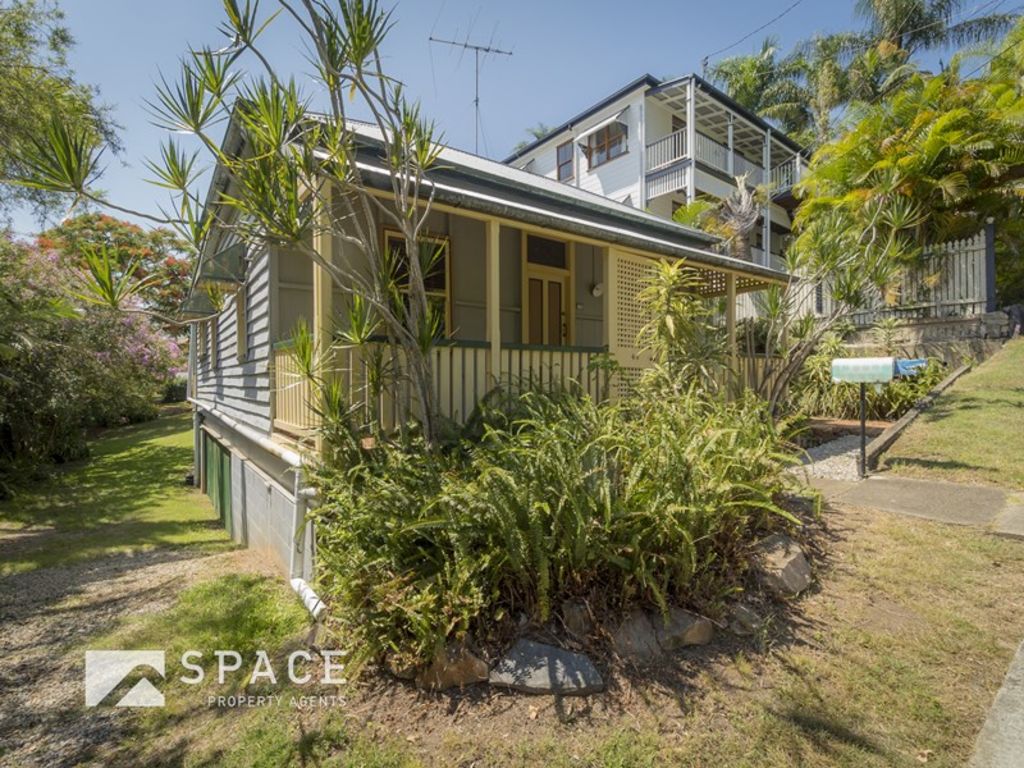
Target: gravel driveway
[(48, 616)]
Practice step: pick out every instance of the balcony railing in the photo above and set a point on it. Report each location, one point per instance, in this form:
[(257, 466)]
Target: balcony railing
[(710, 152), (755, 173), (666, 151), (292, 413), (663, 153), (376, 390), (786, 174)]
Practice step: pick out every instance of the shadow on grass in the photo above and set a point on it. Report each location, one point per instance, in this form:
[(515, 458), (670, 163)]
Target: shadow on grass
[(959, 403), (826, 733), (106, 488), (910, 462), (129, 495)]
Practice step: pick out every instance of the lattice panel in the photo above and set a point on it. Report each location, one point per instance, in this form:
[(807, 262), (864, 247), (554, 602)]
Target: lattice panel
[(631, 275), (626, 379)]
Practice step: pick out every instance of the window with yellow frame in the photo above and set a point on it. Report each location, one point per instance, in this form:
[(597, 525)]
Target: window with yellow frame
[(437, 280)]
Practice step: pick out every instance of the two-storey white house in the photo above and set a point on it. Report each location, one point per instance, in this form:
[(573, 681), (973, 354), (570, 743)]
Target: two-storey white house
[(658, 144)]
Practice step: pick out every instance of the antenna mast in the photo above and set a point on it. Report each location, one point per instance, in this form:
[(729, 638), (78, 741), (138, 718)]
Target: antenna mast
[(477, 50)]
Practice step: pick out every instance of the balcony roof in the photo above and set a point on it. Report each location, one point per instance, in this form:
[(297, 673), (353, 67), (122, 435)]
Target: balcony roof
[(716, 102), (664, 90)]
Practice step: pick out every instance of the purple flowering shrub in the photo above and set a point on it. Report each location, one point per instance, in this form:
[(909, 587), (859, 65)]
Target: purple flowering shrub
[(67, 366)]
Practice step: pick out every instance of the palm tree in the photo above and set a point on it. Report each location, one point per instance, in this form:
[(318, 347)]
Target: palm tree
[(756, 81), (914, 25)]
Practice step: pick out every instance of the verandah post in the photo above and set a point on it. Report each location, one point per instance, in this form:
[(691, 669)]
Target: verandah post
[(323, 289), (493, 302), (730, 330)]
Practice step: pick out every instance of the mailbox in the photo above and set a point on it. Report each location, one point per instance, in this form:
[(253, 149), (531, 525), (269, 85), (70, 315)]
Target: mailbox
[(864, 370)]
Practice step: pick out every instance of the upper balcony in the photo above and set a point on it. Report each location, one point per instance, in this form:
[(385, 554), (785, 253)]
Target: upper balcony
[(727, 141), (666, 172)]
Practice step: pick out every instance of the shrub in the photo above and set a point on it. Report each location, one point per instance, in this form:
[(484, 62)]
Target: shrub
[(650, 501), (67, 368), (814, 393)]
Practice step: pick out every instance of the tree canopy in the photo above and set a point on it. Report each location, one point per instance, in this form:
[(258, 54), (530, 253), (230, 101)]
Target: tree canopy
[(36, 87), (807, 91), (156, 252)]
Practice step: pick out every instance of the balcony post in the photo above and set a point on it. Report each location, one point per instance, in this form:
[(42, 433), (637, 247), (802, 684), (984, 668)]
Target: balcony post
[(766, 179), (730, 159), (492, 249), (691, 139), (730, 330)]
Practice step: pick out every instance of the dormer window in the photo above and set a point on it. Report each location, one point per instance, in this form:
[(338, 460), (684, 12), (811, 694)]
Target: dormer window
[(606, 144)]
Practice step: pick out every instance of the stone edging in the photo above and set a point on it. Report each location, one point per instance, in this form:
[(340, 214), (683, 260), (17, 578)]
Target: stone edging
[(881, 444)]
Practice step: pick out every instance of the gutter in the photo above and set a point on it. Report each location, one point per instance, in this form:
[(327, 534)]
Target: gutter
[(290, 457), (487, 203)]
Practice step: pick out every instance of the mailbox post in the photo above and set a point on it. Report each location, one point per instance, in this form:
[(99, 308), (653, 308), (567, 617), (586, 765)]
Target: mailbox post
[(863, 371)]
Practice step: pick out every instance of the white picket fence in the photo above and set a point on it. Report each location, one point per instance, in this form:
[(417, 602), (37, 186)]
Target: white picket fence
[(950, 281)]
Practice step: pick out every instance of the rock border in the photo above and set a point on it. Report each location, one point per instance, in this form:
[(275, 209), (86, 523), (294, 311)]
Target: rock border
[(884, 441)]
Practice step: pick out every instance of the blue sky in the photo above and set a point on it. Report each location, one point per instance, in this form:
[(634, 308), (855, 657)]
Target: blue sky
[(566, 56)]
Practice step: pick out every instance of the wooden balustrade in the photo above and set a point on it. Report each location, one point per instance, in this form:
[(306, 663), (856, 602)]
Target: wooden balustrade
[(377, 391), (666, 151), (292, 412)]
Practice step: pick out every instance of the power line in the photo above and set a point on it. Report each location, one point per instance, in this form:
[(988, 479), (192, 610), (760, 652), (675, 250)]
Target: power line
[(477, 50), (958, 17), (749, 35)]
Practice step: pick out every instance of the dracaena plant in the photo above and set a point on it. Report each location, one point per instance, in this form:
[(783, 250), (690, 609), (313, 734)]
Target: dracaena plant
[(295, 179)]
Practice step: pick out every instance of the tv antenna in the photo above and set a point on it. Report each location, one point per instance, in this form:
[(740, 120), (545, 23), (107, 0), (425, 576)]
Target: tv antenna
[(477, 50)]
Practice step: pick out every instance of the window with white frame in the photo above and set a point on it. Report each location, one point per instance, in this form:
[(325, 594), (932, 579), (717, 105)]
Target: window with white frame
[(564, 157)]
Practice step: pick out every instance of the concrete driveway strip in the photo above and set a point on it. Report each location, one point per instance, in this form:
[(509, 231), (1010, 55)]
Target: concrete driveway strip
[(931, 499), (1001, 741)]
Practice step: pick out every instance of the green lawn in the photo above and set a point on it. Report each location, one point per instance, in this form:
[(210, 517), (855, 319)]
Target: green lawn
[(128, 496), (892, 662), (974, 432)]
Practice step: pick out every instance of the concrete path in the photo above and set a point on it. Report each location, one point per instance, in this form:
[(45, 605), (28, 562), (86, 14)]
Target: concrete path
[(995, 509), (1001, 741)]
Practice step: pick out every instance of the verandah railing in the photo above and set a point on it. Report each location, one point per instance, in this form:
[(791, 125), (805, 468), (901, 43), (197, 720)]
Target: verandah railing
[(376, 388), (377, 391)]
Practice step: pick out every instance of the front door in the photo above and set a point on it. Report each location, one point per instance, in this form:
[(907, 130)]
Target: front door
[(547, 318)]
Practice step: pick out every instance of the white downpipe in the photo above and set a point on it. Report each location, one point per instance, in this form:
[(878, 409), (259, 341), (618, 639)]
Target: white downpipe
[(309, 598)]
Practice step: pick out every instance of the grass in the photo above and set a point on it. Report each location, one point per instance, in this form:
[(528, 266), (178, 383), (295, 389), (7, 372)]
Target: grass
[(893, 661), (129, 496), (974, 432)]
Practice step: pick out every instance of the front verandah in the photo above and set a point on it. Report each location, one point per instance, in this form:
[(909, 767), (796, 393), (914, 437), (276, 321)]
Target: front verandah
[(525, 308)]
